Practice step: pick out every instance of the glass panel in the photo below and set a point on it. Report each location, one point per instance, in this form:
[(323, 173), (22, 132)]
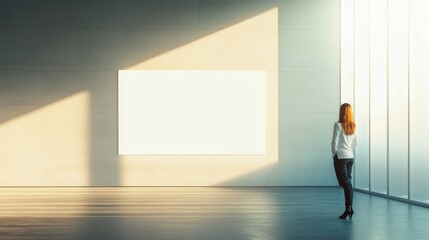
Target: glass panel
[(347, 52), (378, 95), (362, 93), (419, 99), (398, 98)]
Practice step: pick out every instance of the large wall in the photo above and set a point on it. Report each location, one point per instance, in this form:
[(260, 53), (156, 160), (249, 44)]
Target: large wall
[(387, 79), (59, 65)]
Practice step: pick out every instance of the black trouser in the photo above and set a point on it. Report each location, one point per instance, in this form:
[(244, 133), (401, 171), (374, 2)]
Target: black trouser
[(343, 170)]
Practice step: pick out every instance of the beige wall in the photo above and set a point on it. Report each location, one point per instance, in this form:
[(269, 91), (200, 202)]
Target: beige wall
[(58, 87)]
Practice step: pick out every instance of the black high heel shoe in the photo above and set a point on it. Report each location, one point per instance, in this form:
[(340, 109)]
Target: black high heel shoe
[(347, 213)]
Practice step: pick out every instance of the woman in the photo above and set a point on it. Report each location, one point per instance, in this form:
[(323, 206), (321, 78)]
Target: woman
[(343, 144)]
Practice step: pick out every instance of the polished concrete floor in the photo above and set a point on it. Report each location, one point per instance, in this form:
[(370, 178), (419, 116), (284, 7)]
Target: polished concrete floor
[(203, 213)]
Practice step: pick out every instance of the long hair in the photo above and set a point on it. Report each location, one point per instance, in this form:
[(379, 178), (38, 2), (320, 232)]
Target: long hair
[(346, 119)]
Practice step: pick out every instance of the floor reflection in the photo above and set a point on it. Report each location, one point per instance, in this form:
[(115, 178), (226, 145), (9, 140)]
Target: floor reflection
[(203, 213)]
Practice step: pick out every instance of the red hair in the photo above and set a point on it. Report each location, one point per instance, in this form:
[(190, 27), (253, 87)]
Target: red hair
[(346, 119)]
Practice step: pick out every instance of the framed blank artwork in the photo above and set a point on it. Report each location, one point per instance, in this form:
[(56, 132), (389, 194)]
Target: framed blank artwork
[(191, 112)]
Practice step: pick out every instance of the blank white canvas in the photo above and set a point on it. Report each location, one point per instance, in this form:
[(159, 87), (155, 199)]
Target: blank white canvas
[(191, 112)]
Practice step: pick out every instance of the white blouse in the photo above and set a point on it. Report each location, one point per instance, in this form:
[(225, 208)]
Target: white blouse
[(342, 144)]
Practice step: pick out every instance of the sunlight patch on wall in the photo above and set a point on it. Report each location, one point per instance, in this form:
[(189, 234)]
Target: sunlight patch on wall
[(251, 45), (48, 145), (187, 170)]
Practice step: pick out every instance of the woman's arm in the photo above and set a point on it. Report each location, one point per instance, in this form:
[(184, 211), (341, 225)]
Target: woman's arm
[(334, 142)]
